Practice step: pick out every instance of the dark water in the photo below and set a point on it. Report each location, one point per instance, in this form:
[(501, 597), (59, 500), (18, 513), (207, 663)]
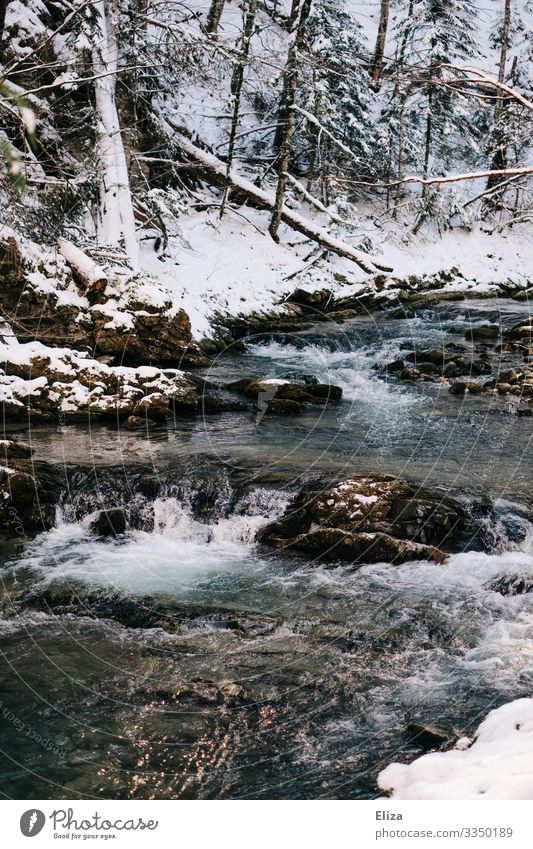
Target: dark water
[(217, 669)]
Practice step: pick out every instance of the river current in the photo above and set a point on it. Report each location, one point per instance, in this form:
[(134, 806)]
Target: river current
[(182, 660)]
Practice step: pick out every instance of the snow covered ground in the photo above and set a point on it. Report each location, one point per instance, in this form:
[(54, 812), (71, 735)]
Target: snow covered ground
[(497, 765), (233, 266)]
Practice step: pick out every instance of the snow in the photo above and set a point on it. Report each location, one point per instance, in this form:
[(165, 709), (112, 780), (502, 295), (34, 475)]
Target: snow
[(497, 765)]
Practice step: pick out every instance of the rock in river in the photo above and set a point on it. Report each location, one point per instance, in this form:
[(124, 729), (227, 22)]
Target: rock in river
[(369, 519)]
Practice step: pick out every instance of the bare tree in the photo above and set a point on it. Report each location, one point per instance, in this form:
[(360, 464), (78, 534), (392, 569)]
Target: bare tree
[(286, 118), (379, 50), (499, 158), (116, 221), (214, 15), (236, 90)]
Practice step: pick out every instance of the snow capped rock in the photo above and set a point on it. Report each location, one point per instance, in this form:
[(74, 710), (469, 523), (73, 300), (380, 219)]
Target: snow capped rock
[(497, 765)]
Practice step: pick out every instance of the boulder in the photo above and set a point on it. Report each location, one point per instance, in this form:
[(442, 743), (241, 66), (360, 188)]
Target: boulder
[(336, 544), (12, 450), (109, 523), (395, 366), (483, 333), (410, 374), (284, 407), (138, 423), (458, 387), (285, 397), (368, 516), (28, 494)]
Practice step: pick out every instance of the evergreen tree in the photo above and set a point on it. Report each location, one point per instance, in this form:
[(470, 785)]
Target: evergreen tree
[(437, 33), (337, 93)]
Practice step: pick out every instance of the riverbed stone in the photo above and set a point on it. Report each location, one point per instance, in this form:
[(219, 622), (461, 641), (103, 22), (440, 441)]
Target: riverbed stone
[(109, 523), (334, 515)]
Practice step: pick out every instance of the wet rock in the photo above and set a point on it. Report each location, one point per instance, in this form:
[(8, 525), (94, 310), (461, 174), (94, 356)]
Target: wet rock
[(336, 544), (458, 387), (339, 514), (451, 369), (285, 397), (474, 388), (428, 736), (145, 611), (426, 368), (410, 374), (217, 404), (138, 423), (284, 407), (508, 376), (12, 450), (325, 392), (521, 332), (434, 355), (483, 333), (109, 523), (503, 388), (511, 584), (28, 494), (395, 366)]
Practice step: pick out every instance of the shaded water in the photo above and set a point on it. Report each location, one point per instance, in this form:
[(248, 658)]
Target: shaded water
[(182, 660)]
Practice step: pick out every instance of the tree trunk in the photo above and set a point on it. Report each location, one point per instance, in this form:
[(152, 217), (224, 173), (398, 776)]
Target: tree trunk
[(236, 90), (377, 60), (287, 118), (427, 143), (116, 221), (214, 16), (499, 157), (3, 8), (214, 172), (86, 272)]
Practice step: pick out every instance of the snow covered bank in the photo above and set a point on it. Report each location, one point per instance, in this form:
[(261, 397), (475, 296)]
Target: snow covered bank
[(233, 267), (497, 765)]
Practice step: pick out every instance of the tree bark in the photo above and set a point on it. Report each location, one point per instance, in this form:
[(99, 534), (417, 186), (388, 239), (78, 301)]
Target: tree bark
[(377, 60), (214, 15), (116, 220), (499, 158), (86, 272), (3, 9), (214, 172), (427, 143), (236, 90), (287, 117)]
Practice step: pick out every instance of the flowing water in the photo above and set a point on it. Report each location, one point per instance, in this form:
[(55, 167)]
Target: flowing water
[(182, 660)]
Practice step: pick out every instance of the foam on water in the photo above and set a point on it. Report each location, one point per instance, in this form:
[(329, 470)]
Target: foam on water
[(352, 370), (181, 554)]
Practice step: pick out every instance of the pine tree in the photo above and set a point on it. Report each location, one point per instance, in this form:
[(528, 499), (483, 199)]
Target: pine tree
[(337, 93), (437, 33)]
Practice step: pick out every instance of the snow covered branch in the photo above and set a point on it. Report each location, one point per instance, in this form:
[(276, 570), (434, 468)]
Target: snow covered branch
[(214, 170)]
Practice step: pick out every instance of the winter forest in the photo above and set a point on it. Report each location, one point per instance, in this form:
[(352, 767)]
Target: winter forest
[(266, 392), (415, 112)]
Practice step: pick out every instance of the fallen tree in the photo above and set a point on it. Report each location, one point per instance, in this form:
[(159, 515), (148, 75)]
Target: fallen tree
[(86, 272), (214, 172)]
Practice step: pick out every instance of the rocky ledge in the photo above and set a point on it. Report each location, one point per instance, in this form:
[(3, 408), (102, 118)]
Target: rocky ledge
[(369, 519), (47, 383)]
